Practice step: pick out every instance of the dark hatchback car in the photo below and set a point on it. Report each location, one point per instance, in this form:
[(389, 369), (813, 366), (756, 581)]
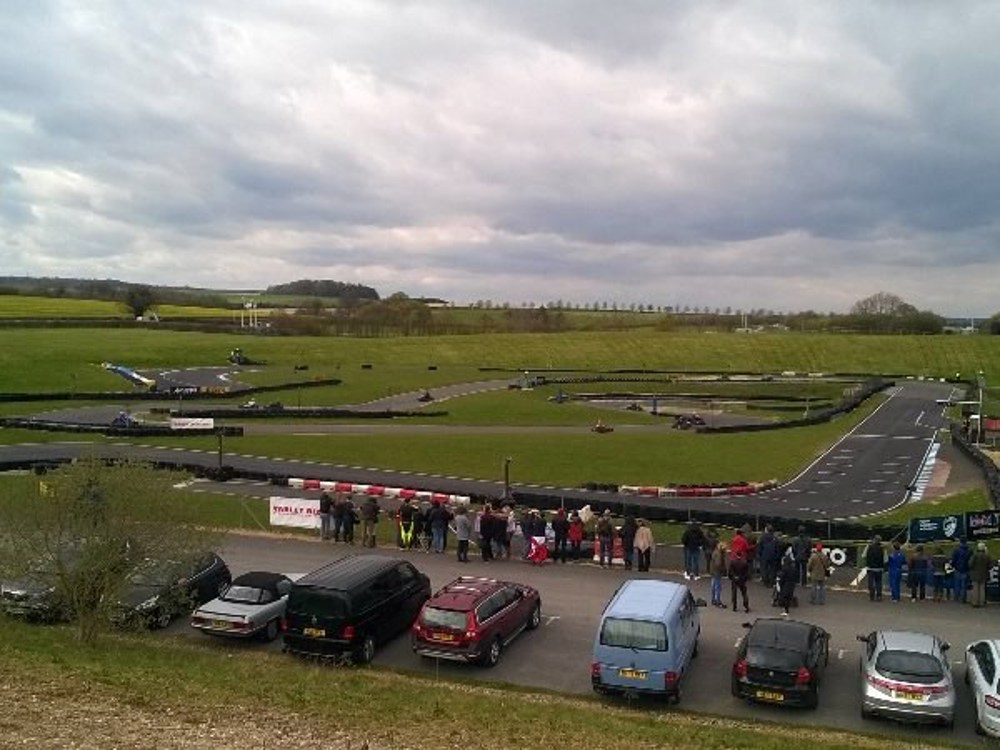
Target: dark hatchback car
[(350, 606), (474, 619), (161, 590), (781, 661)]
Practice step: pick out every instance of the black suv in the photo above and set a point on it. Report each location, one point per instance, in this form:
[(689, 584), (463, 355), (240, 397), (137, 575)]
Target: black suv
[(350, 606)]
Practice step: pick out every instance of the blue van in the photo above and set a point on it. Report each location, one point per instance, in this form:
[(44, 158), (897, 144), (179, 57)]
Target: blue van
[(646, 640)]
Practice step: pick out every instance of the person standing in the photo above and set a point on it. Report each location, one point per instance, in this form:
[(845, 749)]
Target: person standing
[(575, 535), (644, 544), (629, 527), (463, 530), (325, 505), (979, 574), (560, 533), (768, 554), (717, 569), (337, 513), (369, 518), (818, 569), (486, 530), (874, 567), (711, 540), (895, 565), (348, 518), (917, 573), (693, 540), (960, 558), (802, 547), (788, 577), (739, 573), (606, 538), (406, 513), (439, 518), (937, 564)]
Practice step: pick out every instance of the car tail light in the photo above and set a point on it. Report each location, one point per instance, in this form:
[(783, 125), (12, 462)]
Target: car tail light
[(284, 624), (890, 685), (740, 668), (197, 620), (670, 680), (803, 676), (595, 670), (471, 628), (348, 632), (992, 701)]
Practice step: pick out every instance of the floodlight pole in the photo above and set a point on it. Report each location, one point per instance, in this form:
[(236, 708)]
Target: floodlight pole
[(506, 478), (218, 433), (979, 425)]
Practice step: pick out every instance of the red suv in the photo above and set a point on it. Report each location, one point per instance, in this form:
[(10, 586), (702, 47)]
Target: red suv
[(473, 619)]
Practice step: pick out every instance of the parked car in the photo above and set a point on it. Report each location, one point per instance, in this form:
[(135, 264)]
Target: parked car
[(473, 619), (646, 639), (347, 608), (34, 596), (252, 605), (161, 590), (781, 661), (981, 661), (906, 676)]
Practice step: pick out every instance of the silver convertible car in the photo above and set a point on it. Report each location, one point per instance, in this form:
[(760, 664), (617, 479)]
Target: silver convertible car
[(252, 605)]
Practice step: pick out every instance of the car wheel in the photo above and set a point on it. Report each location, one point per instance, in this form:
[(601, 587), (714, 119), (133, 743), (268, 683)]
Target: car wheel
[(735, 687), (865, 713), (812, 698), (492, 655), (271, 630), (536, 617), (694, 654), (366, 653), (161, 619)]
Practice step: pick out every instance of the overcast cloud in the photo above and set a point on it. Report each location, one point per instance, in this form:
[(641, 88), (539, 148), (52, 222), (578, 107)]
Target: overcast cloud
[(783, 155)]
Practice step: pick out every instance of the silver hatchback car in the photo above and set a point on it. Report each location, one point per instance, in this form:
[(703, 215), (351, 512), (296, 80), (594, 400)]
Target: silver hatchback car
[(906, 676)]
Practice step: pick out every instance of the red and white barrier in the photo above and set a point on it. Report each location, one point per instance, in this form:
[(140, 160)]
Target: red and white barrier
[(377, 490)]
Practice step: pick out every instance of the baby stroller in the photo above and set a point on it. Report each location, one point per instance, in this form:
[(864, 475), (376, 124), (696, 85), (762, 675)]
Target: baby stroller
[(776, 597), (538, 552)]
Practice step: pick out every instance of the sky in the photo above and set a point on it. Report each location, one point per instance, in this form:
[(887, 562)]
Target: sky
[(779, 154)]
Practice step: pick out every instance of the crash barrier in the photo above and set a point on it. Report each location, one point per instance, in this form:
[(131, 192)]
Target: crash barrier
[(265, 411), (378, 490), (699, 490), (141, 430), (990, 471), (183, 391)]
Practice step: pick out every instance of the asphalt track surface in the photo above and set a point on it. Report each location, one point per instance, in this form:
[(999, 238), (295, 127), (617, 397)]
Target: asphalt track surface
[(557, 655), (874, 468)]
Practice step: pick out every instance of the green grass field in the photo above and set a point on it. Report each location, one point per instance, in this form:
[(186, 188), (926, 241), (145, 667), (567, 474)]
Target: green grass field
[(56, 308)]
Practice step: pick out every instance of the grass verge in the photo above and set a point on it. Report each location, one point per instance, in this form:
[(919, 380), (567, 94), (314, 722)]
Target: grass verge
[(167, 683)]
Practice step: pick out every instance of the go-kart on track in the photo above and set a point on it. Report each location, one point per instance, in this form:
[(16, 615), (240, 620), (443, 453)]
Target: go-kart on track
[(879, 465)]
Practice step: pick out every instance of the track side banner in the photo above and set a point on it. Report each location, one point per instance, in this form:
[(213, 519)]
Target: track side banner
[(294, 511)]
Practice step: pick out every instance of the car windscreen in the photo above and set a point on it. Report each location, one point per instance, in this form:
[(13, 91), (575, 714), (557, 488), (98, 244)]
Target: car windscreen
[(909, 666), (433, 617), (642, 635), (246, 595), (319, 602), (780, 659)]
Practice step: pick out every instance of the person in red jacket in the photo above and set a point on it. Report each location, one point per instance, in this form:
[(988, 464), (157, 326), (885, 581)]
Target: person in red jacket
[(740, 546), (575, 535)]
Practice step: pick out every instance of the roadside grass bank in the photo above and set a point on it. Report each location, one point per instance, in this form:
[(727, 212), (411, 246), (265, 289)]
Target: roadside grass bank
[(160, 691), (47, 359)]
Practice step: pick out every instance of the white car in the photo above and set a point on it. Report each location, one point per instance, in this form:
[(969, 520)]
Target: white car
[(253, 605), (982, 667)]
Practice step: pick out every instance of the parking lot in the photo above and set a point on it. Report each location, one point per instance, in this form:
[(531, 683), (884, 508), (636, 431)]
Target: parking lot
[(557, 656)]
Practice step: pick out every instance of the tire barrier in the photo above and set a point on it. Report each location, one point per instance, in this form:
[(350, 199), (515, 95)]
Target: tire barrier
[(141, 430), (699, 490), (378, 490)]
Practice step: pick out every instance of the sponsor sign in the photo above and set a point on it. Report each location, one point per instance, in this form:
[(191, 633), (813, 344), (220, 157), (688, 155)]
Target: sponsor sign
[(981, 524), (294, 511), (937, 528), (192, 423)]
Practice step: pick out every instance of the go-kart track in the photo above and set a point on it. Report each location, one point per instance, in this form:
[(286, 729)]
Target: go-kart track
[(884, 462)]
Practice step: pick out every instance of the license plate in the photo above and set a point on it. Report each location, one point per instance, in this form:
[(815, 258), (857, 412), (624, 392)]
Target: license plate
[(443, 637), (906, 696), (633, 674), (220, 624), (314, 632), (768, 695)]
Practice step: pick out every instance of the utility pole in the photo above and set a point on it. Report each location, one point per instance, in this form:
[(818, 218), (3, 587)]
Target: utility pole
[(506, 478)]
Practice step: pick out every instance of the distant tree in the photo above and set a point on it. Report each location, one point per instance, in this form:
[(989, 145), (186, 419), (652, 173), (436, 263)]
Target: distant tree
[(993, 325), (138, 299), (882, 303)]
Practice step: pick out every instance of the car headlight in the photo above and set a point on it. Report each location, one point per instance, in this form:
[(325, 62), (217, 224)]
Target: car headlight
[(149, 603)]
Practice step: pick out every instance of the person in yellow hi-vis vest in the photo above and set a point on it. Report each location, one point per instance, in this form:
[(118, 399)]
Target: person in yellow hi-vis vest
[(406, 511)]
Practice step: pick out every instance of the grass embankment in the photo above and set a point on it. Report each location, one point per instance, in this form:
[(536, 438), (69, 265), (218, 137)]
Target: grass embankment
[(161, 691), (45, 359), (16, 307)]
